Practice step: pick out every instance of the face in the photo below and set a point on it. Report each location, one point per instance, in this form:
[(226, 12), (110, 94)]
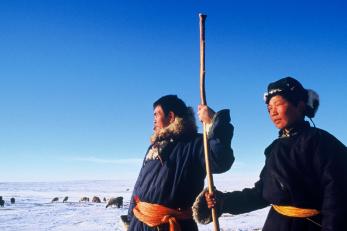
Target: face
[(283, 113), (160, 120)]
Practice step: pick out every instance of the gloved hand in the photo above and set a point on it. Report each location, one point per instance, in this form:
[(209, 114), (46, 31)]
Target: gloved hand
[(203, 204), (125, 221)]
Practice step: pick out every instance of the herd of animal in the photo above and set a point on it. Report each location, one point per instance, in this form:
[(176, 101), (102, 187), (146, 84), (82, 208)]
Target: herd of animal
[(2, 201), (113, 201)]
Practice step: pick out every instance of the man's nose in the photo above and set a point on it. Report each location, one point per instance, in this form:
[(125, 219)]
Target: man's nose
[(273, 112)]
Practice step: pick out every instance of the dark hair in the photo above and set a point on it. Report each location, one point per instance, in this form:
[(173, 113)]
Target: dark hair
[(172, 103)]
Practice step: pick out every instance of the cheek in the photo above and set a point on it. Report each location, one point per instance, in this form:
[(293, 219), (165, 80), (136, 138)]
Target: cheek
[(282, 111), (160, 121)]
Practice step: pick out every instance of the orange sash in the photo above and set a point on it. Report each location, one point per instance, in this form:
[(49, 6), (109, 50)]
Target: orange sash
[(291, 211), (154, 215)]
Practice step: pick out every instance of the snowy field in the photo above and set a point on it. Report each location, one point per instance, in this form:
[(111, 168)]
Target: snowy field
[(33, 209)]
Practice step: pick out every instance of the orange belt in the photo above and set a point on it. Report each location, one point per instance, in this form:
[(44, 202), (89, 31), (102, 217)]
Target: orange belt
[(155, 215), (291, 211)]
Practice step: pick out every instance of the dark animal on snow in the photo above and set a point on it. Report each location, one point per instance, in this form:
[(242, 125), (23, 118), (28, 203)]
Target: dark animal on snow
[(2, 202), (118, 202), (96, 199), (55, 199), (84, 199), (13, 200), (65, 199)]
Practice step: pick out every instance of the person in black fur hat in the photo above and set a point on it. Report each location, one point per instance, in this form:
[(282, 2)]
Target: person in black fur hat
[(173, 169), (304, 177)]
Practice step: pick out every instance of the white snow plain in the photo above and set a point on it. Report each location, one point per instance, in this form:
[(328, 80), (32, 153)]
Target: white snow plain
[(33, 210)]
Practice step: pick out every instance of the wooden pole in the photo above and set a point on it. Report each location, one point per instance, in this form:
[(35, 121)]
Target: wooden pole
[(202, 18)]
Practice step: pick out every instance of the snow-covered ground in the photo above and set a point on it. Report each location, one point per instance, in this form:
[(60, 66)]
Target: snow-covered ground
[(33, 209)]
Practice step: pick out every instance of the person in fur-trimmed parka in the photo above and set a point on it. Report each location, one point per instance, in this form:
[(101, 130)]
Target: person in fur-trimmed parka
[(173, 170), (304, 177)]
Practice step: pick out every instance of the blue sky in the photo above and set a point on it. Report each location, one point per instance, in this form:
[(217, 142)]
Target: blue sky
[(78, 78)]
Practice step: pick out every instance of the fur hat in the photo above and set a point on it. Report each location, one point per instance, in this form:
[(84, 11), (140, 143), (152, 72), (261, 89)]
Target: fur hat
[(293, 91)]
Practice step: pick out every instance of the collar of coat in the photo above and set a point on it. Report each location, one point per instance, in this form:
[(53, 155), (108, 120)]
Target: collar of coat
[(180, 128), (294, 130)]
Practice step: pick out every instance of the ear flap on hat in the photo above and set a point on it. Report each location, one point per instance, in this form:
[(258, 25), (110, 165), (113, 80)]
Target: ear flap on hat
[(312, 103)]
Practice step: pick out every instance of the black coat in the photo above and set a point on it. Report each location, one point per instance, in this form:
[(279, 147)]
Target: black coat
[(305, 169), (178, 179)]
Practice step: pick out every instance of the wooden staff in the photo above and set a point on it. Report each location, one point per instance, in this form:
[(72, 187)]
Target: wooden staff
[(203, 102)]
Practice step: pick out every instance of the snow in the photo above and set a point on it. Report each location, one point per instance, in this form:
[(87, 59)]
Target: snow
[(33, 209)]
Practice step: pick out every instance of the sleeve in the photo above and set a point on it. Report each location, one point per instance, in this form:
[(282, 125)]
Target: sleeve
[(332, 158), (247, 200), (219, 140), (131, 207), (132, 203)]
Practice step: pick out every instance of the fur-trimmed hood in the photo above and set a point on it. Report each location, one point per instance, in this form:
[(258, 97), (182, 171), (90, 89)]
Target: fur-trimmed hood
[(181, 128)]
